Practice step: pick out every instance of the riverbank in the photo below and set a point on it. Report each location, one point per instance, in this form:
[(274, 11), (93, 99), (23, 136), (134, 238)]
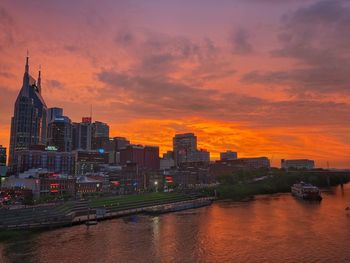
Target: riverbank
[(19, 222), (244, 190), (222, 232)]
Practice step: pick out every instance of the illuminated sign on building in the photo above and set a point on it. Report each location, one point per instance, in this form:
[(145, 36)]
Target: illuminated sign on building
[(86, 119), (54, 188), (169, 179), (51, 148), (116, 183)]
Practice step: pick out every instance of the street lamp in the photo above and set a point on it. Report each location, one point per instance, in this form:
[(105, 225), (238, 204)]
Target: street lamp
[(156, 185)]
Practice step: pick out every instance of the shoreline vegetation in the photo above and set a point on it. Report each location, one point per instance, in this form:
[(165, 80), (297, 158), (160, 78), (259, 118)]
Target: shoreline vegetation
[(244, 185)]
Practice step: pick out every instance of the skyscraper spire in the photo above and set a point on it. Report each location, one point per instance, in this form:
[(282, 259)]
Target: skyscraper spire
[(25, 86), (39, 80), (27, 63)]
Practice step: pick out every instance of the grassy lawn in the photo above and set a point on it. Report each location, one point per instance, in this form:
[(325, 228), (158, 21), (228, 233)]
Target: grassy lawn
[(131, 199)]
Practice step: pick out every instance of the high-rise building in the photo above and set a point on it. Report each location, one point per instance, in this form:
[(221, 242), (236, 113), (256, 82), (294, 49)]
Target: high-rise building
[(132, 154), (28, 124), (52, 113), (100, 135), (60, 133), (146, 157), (185, 149), (3, 167), (228, 155), (199, 156), (50, 159), (151, 157), (183, 144), (82, 134), (2, 156), (113, 147), (100, 129)]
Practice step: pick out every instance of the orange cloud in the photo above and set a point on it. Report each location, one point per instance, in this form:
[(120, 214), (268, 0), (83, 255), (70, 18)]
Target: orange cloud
[(263, 92)]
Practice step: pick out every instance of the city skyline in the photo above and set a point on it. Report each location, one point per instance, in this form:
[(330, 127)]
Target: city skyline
[(154, 82)]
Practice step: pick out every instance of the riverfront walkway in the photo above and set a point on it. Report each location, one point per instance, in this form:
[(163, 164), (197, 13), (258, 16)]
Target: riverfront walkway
[(75, 212)]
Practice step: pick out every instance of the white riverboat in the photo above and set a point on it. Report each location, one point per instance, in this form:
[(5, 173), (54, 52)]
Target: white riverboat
[(306, 191)]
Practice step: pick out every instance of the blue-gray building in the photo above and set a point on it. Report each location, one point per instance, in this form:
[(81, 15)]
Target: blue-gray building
[(59, 133), (28, 124)]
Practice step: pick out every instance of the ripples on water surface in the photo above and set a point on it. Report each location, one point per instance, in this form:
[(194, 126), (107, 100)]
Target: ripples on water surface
[(275, 228)]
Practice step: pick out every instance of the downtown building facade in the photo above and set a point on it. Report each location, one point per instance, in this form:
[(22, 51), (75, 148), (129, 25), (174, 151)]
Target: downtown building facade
[(145, 157), (298, 164), (29, 121), (82, 134), (46, 158), (88, 162), (59, 133), (54, 112), (3, 157), (89, 136), (228, 155), (185, 149), (100, 134), (113, 147)]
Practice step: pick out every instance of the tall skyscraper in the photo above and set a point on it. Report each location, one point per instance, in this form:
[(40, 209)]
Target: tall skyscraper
[(82, 134), (100, 135), (52, 113), (60, 133), (100, 129), (151, 157), (183, 145), (28, 124)]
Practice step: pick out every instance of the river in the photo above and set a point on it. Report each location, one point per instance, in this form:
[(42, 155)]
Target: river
[(276, 228)]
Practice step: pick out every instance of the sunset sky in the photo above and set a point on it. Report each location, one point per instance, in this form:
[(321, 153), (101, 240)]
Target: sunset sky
[(260, 77)]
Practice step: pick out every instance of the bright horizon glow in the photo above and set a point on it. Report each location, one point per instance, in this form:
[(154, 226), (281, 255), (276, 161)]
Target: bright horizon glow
[(262, 78)]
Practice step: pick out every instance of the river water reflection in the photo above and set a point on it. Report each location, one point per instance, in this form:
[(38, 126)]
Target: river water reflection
[(274, 228)]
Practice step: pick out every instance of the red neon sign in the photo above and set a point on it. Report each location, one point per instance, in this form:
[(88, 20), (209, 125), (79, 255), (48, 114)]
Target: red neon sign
[(54, 188), (86, 119)]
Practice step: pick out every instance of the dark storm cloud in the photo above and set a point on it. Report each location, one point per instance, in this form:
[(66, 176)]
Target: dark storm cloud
[(162, 97), (318, 79), (160, 54), (53, 84), (317, 36), (240, 42), (158, 94)]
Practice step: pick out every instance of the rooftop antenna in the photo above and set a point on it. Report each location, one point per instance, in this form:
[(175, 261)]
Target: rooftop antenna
[(27, 62), (91, 112), (39, 79)]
